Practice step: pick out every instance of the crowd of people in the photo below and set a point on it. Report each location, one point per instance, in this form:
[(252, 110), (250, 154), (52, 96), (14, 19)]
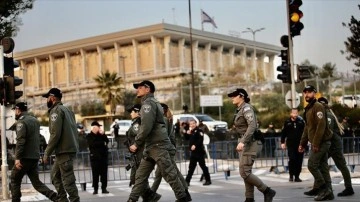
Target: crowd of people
[(152, 140)]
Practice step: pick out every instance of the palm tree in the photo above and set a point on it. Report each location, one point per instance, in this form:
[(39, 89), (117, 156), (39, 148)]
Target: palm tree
[(110, 88)]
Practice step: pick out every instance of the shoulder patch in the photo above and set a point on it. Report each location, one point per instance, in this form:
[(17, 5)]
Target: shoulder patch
[(249, 116), (53, 117), (320, 115), (19, 126), (136, 126), (146, 108), (247, 108)]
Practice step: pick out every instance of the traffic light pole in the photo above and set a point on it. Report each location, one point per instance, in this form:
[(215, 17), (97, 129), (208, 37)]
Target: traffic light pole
[(4, 166), (291, 60)]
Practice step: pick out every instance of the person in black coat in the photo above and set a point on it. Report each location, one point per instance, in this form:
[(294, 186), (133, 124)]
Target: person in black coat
[(292, 131), (197, 152), (98, 156)]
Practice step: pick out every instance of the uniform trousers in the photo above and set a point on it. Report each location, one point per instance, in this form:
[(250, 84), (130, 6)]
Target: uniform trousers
[(63, 178), (318, 165), (159, 156), (247, 160), (335, 152), (29, 168), (99, 169), (194, 159), (158, 176), (295, 162)]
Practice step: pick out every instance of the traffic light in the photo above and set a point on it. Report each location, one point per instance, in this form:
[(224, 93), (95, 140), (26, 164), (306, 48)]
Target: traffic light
[(295, 15), (10, 81), (303, 72), (285, 75)]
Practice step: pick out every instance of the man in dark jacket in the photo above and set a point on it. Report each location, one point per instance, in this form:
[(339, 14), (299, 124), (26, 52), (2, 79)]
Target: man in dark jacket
[(98, 157), (197, 152), (292, 131), (27, 154), (318, 133), (64, 143)]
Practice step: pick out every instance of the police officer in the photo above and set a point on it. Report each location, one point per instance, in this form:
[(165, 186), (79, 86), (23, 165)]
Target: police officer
[(98, 157), (157, 146), (196, 147), (63, 142), (317, 132), (168, 118), (245, 124), (335, 151), (292, 131), (27, 154), (131, 134)]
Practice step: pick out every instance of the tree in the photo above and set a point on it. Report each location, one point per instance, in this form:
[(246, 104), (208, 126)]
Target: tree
[(9, 15), (110, 90), (352, 45)]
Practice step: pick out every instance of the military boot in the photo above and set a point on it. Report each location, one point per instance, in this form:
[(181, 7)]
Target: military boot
[(181, 200), (324, 195), (188, 196), (312, 192), (249, 200), (348, 191), (269, 194)]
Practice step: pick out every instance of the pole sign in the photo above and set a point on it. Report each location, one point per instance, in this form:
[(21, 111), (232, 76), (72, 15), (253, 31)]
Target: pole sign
[(211, 101)]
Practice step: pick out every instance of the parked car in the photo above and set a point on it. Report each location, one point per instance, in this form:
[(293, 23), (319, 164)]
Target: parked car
[(124, 126)]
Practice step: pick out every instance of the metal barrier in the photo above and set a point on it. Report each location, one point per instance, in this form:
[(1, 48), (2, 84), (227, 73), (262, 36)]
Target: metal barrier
[(223, 158)]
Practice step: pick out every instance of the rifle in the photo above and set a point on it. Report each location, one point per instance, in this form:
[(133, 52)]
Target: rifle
[(130, 156)]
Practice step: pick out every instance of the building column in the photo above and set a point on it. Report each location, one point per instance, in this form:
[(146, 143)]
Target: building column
[(181, 46), (136, 55), (155, 53), (167, 41), (37, 72), (243, 56), (262, 64), (254, 64), (67, 68), (207, 59), (195, 46), (271, 65), (220, 57), (100, 58), (232, 56), (83, 64), (52, 71)]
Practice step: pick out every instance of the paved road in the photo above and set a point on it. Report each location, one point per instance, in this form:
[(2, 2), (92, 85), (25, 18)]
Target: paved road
[(222, 190)]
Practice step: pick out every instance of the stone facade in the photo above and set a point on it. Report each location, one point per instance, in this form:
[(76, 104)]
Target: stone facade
[(160, 53)]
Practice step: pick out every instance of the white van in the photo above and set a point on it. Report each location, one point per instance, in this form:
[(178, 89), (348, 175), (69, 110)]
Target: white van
[(206, 119), (44, 130), (347, 100)]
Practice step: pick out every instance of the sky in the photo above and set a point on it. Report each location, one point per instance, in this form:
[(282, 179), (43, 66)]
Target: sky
[(56, 21)]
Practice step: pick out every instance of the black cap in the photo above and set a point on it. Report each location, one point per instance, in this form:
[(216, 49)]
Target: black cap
[(310, 88), (95, 123), (145, 83), (21, 105), (238, 91), (323, 100), (135, 107), (54, 92)]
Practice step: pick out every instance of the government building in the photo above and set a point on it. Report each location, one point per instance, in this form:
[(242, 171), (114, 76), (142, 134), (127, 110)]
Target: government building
[(160, 53)]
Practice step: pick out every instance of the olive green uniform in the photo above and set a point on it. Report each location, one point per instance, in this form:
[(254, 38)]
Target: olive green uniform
[(131, 134), (158, 176), (335, 151), (245, 126), (28, 152), (157, 150), (317, 132), (64, 143)]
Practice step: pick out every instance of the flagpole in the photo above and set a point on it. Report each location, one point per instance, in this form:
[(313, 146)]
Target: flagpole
[(192, 94)]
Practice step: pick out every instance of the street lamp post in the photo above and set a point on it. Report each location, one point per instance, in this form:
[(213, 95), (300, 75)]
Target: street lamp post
[(254, 61)]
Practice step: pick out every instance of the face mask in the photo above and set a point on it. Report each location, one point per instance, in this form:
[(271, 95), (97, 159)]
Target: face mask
[(49, 104)]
